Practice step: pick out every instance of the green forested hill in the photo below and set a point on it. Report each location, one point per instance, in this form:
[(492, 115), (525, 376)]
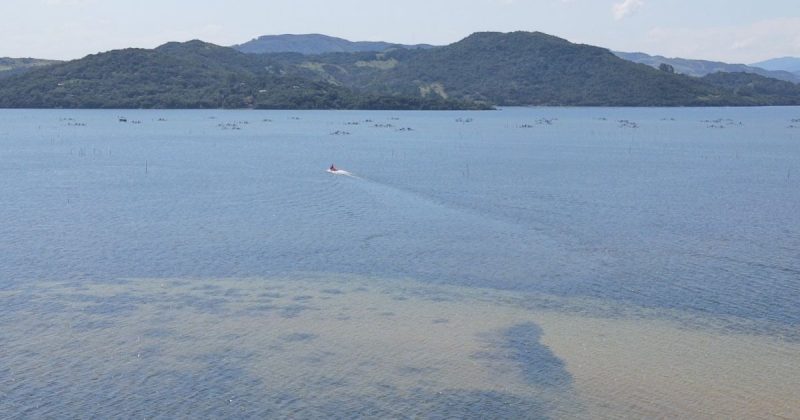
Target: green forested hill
[(12, 66), (484, 69), (188, 75), (524, 68), (756, 89), (700, 68)]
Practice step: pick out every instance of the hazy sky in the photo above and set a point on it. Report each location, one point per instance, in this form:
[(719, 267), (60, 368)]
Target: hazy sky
[(727, 30)]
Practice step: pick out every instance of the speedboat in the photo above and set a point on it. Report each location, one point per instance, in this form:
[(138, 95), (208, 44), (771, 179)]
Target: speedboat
[(336, 171)]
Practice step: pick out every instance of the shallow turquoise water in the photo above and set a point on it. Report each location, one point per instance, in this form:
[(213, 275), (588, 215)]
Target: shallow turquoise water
[(689, 214)]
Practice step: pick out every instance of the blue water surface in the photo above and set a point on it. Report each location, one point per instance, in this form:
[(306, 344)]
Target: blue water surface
[(689, 209)]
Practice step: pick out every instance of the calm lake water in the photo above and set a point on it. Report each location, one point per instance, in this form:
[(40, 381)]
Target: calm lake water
[(522, 263)]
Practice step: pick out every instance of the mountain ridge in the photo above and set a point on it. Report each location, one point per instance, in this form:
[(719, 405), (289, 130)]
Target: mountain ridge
[(521, 68), (313, 44), (700, 68), (477, 72), (790, 64)]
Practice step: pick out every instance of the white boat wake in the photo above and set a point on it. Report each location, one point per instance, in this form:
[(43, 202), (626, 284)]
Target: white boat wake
[(340, 172)]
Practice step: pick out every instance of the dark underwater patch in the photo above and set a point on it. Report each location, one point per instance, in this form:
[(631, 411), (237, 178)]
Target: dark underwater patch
[(91, 325), (292, 311), (159, 333), (298, 337), (332, 291), (535, 362), (538, 363)]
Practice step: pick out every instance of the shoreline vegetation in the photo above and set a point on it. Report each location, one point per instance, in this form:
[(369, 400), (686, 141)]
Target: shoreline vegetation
[(481, 72)]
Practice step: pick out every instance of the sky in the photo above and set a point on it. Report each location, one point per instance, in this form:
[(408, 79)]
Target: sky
[(736, 31)]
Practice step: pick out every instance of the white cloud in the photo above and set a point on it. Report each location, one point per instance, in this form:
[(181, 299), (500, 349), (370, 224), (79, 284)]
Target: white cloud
[(625, 8), (742, 44)]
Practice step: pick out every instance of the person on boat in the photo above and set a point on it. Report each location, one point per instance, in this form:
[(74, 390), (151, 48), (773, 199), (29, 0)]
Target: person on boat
[(333, 168)]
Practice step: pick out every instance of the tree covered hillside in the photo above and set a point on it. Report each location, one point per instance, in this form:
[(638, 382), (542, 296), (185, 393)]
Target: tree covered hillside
[(478, 72), (187, 75), (524, 68)]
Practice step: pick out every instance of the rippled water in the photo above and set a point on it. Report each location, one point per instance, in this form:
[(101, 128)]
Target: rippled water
[(520, 263)]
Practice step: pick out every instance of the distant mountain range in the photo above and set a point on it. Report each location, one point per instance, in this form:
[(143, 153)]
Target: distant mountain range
[(314, 44), (700, 68), (478, 72), (790, 64)]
